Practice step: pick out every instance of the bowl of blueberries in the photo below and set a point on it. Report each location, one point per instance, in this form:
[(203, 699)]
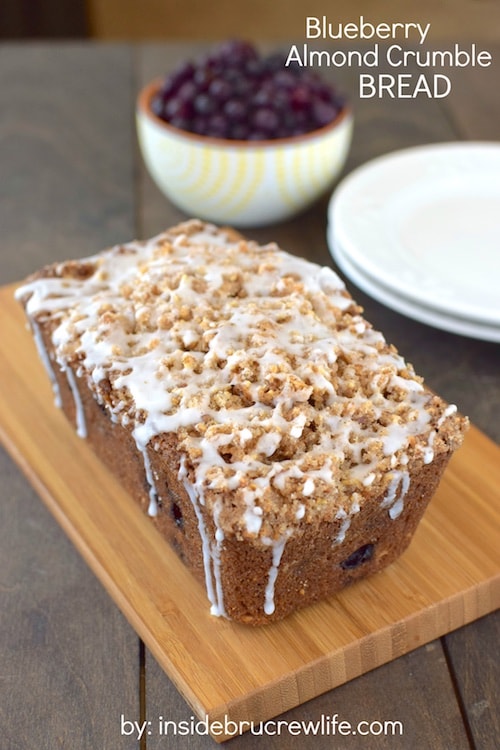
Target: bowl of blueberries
[(239, 138)]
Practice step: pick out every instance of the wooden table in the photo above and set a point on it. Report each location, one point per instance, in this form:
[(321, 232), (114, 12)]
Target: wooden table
[(73, 182)]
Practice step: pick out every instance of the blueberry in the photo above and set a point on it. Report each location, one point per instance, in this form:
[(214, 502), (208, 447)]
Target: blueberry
[(236, 51), (324, 113), (157, 105), (217, 126), (178, 106), (235, 110), (239, 131), (183, 73), (176, 513), (300, 98), (360, 556), (266, 119), (220, 89), (204, 104), (233, 93)]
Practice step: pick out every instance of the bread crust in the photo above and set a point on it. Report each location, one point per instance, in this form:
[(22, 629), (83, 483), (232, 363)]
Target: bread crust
[(311, 552)]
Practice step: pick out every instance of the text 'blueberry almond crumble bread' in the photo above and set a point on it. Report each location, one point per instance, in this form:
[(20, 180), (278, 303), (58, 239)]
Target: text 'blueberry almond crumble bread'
[(277, 441)]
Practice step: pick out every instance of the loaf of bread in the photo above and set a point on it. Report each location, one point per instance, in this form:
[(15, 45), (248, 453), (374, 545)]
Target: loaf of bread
[(277, 441)]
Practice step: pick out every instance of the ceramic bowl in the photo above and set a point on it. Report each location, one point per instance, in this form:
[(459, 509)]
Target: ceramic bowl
[(241, 183)]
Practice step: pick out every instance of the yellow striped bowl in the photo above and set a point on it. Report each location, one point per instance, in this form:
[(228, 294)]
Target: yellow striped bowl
[(242, 183)]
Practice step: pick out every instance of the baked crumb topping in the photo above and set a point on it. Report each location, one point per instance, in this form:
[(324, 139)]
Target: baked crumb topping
[(278, 389)]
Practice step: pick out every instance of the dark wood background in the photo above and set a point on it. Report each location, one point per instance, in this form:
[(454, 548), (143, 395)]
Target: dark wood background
[(194, 19), (72, 182)]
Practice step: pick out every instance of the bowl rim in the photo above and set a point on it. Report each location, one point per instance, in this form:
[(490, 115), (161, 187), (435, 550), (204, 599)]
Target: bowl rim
[(150, 89)]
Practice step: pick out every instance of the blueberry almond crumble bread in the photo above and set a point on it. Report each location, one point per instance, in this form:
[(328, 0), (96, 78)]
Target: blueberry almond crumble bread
[(280, 445)]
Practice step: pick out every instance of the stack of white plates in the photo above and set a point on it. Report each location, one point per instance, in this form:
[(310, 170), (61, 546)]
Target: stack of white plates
[(419, 231)]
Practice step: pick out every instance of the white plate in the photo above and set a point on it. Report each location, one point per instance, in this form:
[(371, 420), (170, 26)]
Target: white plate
[(425, 222), (406, 307)]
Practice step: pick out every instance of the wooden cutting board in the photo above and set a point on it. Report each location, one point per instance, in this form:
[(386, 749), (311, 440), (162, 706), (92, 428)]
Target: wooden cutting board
[(449, 576)]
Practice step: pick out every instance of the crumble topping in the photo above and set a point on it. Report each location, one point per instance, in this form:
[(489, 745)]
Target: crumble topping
[(279, 390)]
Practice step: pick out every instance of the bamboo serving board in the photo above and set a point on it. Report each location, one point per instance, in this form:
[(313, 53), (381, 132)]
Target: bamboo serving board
[(449, 576)]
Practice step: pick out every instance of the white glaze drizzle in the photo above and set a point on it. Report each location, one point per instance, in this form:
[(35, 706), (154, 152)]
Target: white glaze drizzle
[(141, 435), (216, 551), (396, 493), (211, 552), (344, 526), (346, 518), (300, 512), (428, 450), (44, 357), (165, 377), (278, 547), (153, 495), (81, 425)]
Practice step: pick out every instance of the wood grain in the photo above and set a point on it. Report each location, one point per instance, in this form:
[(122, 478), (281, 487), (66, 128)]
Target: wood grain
[(66, 153), (463, 370), (477, 679), (69, 188), (282, 19), (449, 576), (474, 104), (414, 690), (474, 110), (65, 184)]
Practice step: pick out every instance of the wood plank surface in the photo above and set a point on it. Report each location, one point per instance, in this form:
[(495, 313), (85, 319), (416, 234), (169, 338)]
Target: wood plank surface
[(472, 652), (66, 152), (477, 678), (68, 189), (449, 576), (415, 692), (463, 370), (282, 19), (474, 105), (65, 185)]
